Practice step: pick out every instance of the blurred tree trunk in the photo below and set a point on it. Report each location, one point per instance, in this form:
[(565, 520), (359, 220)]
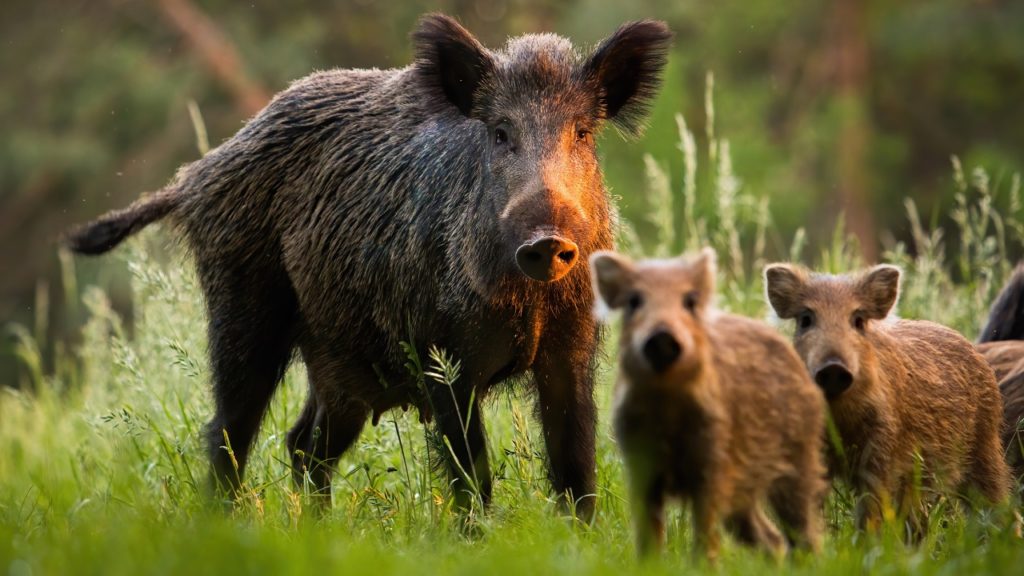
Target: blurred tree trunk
[(851, 79), (217, 52)]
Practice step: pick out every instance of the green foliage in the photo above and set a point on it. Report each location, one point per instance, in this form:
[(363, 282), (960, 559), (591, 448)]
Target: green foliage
[(101, 93)]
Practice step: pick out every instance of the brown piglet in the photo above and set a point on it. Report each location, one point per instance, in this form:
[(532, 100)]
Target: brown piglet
[(915, 406), (711, 408)]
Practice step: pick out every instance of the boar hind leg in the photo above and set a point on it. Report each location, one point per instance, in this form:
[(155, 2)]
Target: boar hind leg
[(463, 444), (565, 394), (989, 474), (300, 441), (320, 441), (874, 507), (330, 422), (754, 528), (251, 343)]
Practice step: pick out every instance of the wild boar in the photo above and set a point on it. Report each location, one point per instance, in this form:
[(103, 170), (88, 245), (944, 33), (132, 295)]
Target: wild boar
[(453, 202), (712, 408), (1002, 344), (916, 407)]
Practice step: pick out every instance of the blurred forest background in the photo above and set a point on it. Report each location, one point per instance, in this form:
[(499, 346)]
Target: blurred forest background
[(831, 107)]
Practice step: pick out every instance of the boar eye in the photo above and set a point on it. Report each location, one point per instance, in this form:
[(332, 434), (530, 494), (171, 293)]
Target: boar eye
[(634, 302), (858, 321), (582, 135), (690, 300), (503, 135), (500, 136), (805, 320)]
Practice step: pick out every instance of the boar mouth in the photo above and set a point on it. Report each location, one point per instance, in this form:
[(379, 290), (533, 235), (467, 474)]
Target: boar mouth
[(547, 259)]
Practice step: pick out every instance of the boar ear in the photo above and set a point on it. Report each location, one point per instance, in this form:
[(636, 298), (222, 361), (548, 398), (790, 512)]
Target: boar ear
[(611, 275), (879, 289), (783, 288), (449, 58), (627, 68), (705, 268)]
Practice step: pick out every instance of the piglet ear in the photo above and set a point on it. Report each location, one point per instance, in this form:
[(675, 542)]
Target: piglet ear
[(705, 268), (878, 290), (784, 288), (451, 59), (611, 275), (627, 69)]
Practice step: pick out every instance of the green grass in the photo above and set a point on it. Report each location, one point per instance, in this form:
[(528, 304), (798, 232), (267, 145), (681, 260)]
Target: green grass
[(102, 469)]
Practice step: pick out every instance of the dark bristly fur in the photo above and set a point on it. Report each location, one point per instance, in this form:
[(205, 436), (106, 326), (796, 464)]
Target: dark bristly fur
[(363, 208), (1002, 344), (916, 407), (634, 72), (730, 421), (1006, 318)]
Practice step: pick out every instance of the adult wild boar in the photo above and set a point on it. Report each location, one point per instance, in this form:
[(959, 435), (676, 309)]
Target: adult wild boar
[(1002, 344), (453, 202)]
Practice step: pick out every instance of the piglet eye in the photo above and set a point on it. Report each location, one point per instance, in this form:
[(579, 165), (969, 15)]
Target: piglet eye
[(635, 302), (582, 134), (805, 319), (690, 300), (859, 322)]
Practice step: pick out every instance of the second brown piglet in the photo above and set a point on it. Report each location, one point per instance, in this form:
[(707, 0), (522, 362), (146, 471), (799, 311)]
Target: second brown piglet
[(916, 407), (712, 408)]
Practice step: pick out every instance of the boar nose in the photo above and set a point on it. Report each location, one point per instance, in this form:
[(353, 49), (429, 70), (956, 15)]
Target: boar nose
[(662, 350), (547, 259), (833, 378)]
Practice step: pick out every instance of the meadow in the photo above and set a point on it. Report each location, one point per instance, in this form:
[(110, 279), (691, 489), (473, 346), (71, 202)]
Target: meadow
[(103, 470)]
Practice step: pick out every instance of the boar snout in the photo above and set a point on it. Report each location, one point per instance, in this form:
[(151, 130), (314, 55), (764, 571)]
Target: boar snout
[(833, 378), (662, 350), (547, 259)]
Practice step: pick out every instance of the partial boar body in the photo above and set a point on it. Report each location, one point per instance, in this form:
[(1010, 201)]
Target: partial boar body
[(1002, 344), (445, 203), (907, 397), (710, 407)]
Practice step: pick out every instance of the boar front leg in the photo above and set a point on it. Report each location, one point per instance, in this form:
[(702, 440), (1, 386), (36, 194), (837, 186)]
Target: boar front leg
[(464, 443), (872, 481), (564, 375), (648, 502), (705, 525)]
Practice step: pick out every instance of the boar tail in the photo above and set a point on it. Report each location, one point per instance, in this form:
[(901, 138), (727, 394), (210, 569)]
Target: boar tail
[(1006, 318), (109, 230)]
